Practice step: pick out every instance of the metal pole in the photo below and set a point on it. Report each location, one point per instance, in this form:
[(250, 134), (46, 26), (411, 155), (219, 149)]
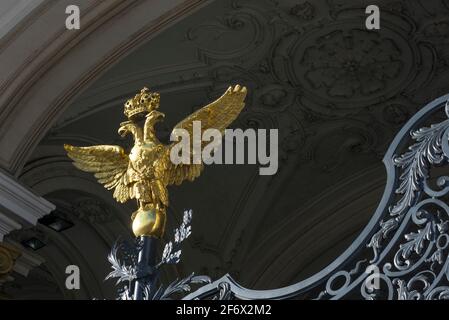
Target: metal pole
[(146, 260)]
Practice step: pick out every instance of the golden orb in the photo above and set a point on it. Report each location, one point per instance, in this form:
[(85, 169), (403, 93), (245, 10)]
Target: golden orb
[(149, 222)]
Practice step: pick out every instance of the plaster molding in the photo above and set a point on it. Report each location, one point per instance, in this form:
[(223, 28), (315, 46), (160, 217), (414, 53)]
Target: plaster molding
[(20, 204), (7, 225), (26, 261), (111, 31), (14, 13)]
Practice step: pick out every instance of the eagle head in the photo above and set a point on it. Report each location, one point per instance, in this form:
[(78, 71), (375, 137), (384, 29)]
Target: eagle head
[(153, 117), (126, 127)]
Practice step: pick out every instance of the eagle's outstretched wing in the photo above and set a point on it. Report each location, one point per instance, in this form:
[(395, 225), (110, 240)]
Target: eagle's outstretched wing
[(109, 165), (218, 115)]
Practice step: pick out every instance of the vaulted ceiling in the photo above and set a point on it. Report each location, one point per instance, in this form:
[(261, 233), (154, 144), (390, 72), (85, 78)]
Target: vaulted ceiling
[(337, 93)]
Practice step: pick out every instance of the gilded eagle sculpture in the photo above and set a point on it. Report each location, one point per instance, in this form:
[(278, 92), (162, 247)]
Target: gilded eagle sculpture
[(147, 170)]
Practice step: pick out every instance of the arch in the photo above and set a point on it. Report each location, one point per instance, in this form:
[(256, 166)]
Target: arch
[(39, 53)]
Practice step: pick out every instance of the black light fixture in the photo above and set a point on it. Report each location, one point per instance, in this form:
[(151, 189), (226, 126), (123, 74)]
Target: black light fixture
[(33, 243), (55, 222)]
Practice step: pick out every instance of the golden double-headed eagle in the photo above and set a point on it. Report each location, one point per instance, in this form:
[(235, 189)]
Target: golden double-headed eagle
[(147, 170)]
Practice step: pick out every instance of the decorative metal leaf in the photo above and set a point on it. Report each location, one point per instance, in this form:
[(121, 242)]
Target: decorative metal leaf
[(172, 251), (120, 270), (167, 251), (125, 294), (403, 291), (436, 257), (416, 241), (385, 228), (415, 164), (183, 285)]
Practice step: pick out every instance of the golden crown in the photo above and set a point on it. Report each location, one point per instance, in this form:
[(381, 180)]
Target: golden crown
[(143, 102)]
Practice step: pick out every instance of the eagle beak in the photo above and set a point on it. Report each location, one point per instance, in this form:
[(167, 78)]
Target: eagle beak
[(123, 129)]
